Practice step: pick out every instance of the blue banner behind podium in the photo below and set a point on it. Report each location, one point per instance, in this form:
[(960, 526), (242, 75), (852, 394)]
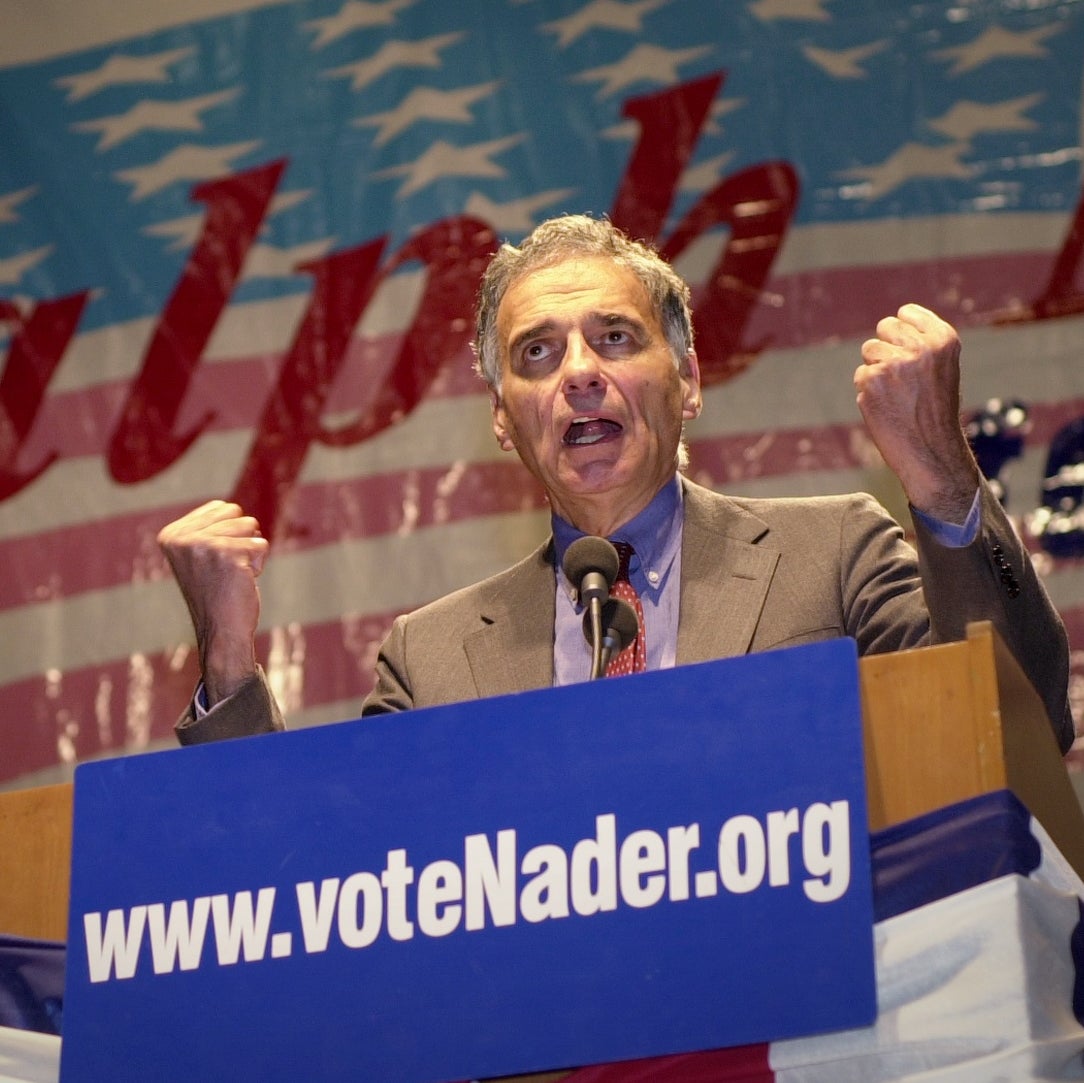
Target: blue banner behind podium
[(646, 865)]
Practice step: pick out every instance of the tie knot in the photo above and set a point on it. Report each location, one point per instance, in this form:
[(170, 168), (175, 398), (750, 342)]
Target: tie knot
[(625, 553)]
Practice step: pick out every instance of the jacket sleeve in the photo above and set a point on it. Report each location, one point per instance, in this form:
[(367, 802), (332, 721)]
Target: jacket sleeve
[(994, 579), (891, 603), (250, 710), (391, 691)]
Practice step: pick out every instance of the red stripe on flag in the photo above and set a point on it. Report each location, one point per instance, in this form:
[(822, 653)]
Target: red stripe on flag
[(826, 303), (740, 1064), (52, 720), (83, 713), (801, 310), (48, 721), (113, 551)]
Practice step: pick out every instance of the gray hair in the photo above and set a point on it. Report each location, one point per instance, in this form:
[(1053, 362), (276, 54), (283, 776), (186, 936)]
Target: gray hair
[(564, 238)]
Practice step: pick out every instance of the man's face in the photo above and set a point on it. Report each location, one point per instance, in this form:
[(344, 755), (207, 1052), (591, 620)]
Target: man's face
[(590, 396)]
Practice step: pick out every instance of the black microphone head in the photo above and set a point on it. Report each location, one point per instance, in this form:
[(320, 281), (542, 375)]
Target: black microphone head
[(591, 554), (619, 625), (619, 622)]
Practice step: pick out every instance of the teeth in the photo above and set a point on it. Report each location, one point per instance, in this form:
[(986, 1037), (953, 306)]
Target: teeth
[(588, 429)]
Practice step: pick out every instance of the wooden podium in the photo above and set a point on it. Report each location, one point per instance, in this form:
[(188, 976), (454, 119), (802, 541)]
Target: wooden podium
[(941, 724)]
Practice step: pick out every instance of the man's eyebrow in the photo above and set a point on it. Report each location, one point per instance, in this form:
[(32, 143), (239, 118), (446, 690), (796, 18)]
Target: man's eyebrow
[(614, 319), (546, 327)]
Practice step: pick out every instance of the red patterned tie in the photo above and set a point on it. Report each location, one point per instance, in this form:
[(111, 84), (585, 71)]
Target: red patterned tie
[(633, 659)]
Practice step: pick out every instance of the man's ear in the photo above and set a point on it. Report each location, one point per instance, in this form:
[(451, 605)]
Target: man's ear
[(691, 401), (500, 421)]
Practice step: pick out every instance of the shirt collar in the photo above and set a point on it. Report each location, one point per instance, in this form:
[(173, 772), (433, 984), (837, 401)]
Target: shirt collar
[(654, 534)]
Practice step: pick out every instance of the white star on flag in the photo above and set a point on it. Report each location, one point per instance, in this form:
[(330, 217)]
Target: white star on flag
[(650, 63), (425, 103), (516, 216), (185, 163), (910, 162), (9, 202), (161, 116), (444, 160), (603, 15), (121, 69), (967, 119), (13, 269), (395, 54), (812, 11), (996, 43), (844, 63), (270, 261), (184, 232), (354, 15)]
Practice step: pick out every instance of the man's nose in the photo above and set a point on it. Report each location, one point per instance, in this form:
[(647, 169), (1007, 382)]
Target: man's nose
[(580, 369)]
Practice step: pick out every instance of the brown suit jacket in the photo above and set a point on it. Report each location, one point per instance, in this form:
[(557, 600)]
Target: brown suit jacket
[(756, 574)]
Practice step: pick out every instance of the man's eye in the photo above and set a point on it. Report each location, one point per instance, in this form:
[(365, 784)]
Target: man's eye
[(536, 351), (615, 337)]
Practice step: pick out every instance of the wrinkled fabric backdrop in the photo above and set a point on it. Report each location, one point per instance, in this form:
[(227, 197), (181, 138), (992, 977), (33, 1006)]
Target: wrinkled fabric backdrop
[(239, 244)]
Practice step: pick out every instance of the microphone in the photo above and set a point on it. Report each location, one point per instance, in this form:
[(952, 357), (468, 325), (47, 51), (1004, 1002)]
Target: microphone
[(591, 565), (620, 627)]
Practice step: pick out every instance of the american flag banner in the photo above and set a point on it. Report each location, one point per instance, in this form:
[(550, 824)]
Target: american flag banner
[(239, 247)]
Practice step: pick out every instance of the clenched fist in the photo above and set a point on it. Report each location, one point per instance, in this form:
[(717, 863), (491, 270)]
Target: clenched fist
[(216, 553), (909, 394)]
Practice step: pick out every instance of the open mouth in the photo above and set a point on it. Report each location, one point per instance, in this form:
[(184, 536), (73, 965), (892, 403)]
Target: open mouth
[(590, 430)]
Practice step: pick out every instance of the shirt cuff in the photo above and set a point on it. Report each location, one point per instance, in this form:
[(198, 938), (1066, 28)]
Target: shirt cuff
[(953, 535), (199, 702)]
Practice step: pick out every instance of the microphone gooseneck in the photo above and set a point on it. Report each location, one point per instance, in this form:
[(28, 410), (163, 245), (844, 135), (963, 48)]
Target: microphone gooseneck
[(620, 628)]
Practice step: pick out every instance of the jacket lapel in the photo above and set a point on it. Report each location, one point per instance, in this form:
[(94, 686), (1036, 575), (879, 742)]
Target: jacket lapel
[(725, 575), (512, 651)]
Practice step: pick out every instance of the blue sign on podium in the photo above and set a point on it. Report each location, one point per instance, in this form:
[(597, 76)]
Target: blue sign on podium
[(645, 865)]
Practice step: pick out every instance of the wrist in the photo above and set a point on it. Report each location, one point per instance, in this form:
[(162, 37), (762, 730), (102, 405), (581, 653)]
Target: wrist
[(944, 490), (947, 505), (225, 667)]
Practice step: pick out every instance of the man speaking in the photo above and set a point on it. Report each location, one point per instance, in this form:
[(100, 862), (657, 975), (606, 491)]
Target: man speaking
[(585, 341)]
